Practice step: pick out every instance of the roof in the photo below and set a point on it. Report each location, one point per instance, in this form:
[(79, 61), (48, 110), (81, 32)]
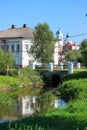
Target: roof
[(14, 32), (69, 44), (59, 32)]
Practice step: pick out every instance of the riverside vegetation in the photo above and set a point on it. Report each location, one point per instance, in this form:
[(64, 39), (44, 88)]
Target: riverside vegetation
[(71, 117), (12, 85)]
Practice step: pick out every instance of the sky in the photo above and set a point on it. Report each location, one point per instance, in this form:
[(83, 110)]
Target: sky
[(68, 15)]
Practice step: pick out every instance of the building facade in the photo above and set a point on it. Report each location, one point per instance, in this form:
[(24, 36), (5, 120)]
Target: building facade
[(64, 45), (19, 41)]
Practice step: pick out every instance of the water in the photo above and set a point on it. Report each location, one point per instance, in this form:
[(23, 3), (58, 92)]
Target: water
[(26, 106)]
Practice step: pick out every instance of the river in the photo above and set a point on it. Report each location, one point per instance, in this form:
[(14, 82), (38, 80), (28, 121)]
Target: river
[(23, 106)]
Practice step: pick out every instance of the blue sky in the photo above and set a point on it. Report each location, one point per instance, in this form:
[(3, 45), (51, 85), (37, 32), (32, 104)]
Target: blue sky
[(68, 15)]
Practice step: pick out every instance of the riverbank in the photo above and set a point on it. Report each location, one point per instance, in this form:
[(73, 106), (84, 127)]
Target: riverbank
[(27, 79), (71, 117)]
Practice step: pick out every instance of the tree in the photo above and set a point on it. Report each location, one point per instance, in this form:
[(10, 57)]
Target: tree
[(42, 48), (83, 48), (84, 56), (73, 55), (83, 44), (6, 60)]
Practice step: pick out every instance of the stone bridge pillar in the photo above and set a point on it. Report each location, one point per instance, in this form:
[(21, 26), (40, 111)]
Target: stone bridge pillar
[(61, 66), (78, 65), (70, 68), (32, 66), (50, 66)]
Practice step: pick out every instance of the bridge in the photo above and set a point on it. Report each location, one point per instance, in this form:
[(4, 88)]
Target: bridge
[(53, 78)]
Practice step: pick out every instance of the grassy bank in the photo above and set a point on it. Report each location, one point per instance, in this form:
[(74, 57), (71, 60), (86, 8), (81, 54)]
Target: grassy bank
[(27, 78), (71, 117)]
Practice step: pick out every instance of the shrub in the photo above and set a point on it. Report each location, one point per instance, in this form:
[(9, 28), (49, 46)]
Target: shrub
[(73, 89)]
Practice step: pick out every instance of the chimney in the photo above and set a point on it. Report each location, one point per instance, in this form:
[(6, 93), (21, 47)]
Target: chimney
[(13, 26), (24, 25)]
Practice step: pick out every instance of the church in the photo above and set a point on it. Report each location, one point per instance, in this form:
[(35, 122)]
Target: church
[(65, 44)]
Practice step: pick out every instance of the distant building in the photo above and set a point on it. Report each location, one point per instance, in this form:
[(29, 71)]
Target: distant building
[(19, 41), (69, 45), (64, 45), (60, 44)]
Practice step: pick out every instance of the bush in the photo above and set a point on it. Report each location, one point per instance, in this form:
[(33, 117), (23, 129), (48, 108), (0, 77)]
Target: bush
[(73, 89), (76, 75)]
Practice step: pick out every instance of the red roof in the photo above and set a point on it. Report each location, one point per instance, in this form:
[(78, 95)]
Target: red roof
[(70, 44)]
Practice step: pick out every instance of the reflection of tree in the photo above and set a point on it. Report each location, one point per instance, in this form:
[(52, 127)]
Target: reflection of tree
[(44, 103), (26, 105), (6, 110), (7, 104)]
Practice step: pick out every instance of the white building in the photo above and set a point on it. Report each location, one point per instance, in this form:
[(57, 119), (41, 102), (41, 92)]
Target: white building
[(19, 41), (59, 44), (69, 45)]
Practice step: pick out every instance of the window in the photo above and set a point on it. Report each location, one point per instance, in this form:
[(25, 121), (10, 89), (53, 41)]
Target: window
[(27, 48), (18, 48), (12, 48), (27, 105), (7, 47), (2, 47)]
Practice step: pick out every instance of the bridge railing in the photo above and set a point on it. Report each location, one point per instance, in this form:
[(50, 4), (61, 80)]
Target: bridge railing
[(50, 67)]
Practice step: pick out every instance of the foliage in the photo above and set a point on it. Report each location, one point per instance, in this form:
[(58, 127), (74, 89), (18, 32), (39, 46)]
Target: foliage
[(57, 119), (84, 56), (42, 48), (73, 55), (27, 81), (71, 117), (73, 89), (76, 75), (33, 76), (48, 95), (6, 60), (8, 81), (83, 44), (83, 47)]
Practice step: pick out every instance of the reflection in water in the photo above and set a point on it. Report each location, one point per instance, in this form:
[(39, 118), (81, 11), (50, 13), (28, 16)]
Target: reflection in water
[(34, 105), (25, 106)]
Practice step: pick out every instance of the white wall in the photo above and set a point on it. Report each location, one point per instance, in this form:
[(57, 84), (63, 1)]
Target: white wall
[(26, 57), (56, 54)]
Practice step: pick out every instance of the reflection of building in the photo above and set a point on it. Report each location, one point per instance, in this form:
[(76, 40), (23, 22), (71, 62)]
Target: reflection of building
[(32, 105), (25, 105), (59, 103)]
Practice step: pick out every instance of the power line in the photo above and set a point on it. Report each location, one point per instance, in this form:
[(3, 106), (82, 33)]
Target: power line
[(78, 35)]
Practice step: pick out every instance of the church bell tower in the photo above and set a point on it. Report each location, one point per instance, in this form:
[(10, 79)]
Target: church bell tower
[(60, 38)]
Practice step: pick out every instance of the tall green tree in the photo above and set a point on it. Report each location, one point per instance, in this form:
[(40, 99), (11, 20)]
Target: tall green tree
[(6, 60), (83, 44), (42, 48), (84, 56), (73, 55), (83, 48)]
